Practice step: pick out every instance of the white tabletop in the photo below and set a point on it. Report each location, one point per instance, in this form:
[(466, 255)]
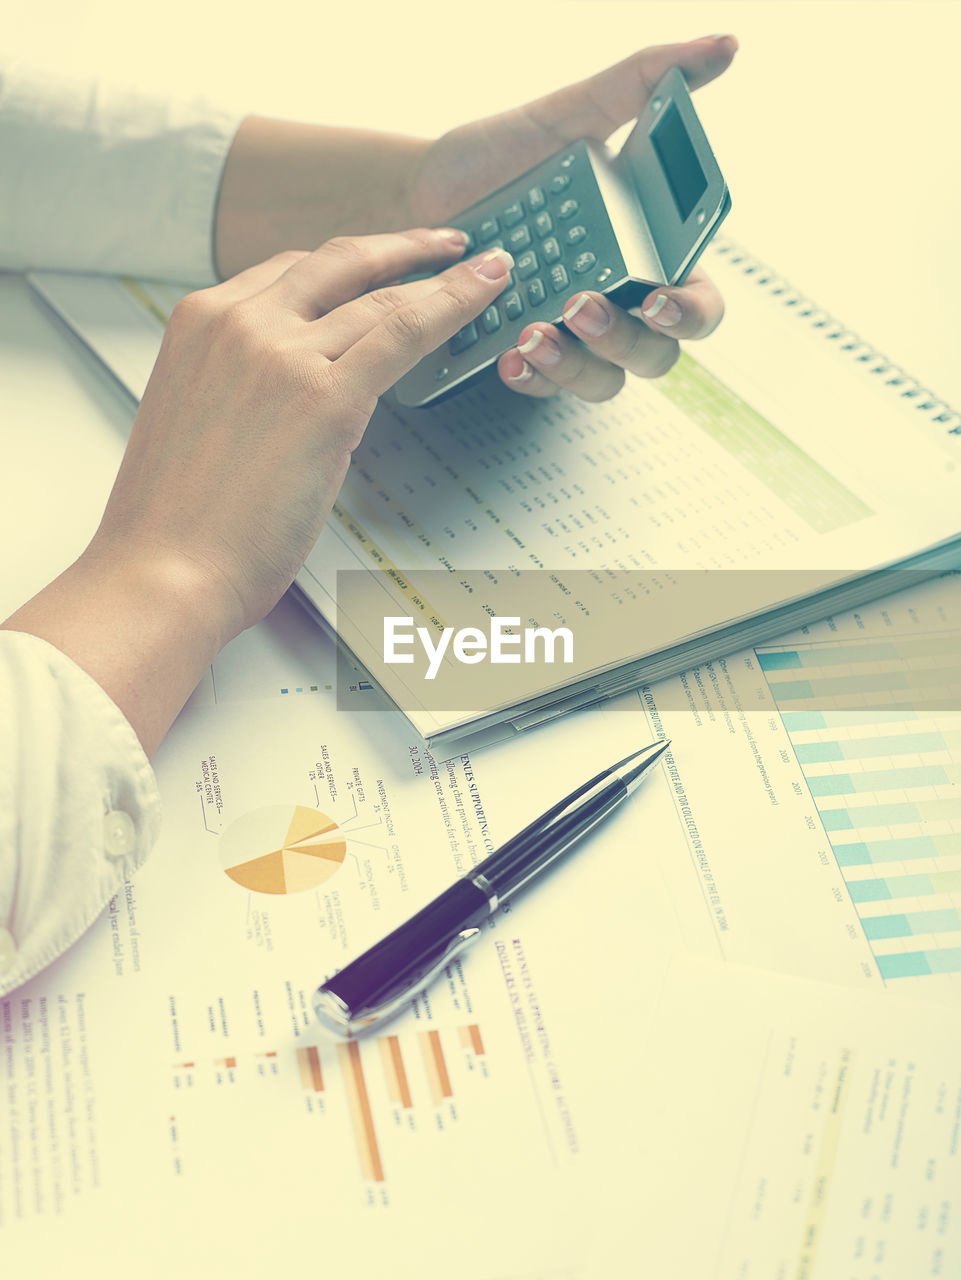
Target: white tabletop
[(832, 126)]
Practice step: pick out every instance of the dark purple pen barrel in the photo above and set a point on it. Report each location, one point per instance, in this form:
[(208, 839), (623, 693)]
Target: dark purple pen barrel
[(401, 960)]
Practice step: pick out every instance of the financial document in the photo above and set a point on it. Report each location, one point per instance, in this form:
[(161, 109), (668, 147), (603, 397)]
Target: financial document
[(574, 1078), (837, 854), (808, 1134)]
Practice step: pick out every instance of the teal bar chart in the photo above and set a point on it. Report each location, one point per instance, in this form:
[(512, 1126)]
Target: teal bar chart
[(876, 731)]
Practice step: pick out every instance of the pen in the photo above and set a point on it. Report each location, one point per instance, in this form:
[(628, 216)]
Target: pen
[(381, 981)]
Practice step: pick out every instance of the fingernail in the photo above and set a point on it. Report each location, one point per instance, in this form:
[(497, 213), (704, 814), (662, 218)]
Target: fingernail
[(663, 309), (541, 348), (721, 57), (495, 265), (523, 373), (453, 235), (587, 317)]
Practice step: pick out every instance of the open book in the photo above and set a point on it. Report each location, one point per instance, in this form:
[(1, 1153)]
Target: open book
[(783, 470)]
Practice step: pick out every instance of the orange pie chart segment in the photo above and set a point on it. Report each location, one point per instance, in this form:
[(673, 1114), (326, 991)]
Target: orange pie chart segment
[(280, 849), (264, 875), (333, 849)]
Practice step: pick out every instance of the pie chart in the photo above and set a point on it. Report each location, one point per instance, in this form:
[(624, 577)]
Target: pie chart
[(282, 849)]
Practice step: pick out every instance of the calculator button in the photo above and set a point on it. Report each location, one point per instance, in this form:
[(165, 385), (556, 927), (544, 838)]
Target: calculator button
[(575, 234), (519, 238), (536, 293), (543, 224), (491, 319), (488, 229), (568, 209), (604, 275), (513, 214), (526, 265), (583, 262), (560, 183), (536, 199), (551, 250), (463, 339), (559, 277), (513, 307), (568, 160)]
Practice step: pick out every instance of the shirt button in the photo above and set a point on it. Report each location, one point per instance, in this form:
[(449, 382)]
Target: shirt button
[(119, 834), (8, 950)]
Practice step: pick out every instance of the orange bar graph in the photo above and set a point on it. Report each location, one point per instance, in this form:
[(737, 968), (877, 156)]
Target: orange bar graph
[(397, 1087), (308, 1060), (436, 1067), (470, 1038), (360, 1112)]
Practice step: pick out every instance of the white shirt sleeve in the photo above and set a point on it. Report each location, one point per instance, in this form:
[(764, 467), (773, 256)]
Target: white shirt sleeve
[(79, 807), (101, 179)]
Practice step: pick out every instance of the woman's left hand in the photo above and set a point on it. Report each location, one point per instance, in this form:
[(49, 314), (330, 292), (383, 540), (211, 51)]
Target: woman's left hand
[(469, 162)]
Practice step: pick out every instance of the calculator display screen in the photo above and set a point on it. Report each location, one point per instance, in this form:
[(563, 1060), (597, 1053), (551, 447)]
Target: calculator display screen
[(673, 148)]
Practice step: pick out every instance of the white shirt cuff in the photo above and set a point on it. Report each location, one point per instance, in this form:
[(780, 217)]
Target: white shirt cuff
[(79, 805)]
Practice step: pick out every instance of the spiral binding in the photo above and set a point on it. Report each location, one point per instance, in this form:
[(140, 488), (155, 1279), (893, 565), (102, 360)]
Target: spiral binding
[(871, 361)]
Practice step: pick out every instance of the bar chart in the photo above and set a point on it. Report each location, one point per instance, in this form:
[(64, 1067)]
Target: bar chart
[(380, 1093), (434, 1070), (876, 730), (311, 1076), (361, 1113)]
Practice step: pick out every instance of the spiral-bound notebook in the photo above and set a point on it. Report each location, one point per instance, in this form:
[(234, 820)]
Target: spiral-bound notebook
[(782, 471)]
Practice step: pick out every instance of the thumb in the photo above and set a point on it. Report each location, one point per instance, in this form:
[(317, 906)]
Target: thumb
[(595, 107)]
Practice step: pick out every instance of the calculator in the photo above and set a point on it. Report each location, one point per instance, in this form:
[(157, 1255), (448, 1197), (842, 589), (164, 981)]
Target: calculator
[(585, 219)]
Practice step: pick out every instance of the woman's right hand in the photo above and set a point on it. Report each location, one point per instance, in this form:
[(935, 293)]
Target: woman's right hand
[(263, 386)]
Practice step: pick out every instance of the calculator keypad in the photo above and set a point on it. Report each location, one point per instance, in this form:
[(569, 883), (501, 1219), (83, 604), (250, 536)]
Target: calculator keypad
[(513, 307), (519, 238), (464, 338), (526, 265), (559, 234), (491, 320)]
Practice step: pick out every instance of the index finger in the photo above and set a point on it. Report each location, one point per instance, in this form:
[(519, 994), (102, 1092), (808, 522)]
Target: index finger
[(404, 336), (348, 266)]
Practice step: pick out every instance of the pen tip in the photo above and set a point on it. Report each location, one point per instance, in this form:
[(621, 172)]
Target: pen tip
[(637, 765)]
